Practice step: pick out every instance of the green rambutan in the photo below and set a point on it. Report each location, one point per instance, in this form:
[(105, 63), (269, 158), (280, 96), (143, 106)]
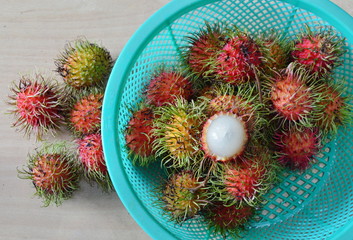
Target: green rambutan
[(227, 220), (54, 173), (177, 133), (90, 154), (84, 64), (85, 114), (238, 60), (139, 136), (277, 49), (167, 85), (337, 109), (183, 196), (38, 105), (319, 52), (296, 147)]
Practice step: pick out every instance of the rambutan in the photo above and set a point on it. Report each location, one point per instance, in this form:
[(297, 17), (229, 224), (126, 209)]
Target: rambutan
[(293, 100), (337, 109), (203, 47), (85, 114), (227, 220), (297, 147), (38, 105), (183, 196), (90, 154), (54, 173), (84, 64), (245, 181), (177, 133), (165, 86), (238, 60), (224, 137), (277, 51), (139, 137), (319, 52)]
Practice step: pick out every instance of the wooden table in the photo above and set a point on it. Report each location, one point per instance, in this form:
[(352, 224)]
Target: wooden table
[(32, 33)]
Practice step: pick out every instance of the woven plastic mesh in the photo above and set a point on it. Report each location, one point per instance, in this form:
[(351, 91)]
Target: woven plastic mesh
[(308, 205)]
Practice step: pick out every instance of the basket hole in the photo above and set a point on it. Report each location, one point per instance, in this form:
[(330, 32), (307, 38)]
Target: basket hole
[(272, 216), (278, 190), (300, 192), (293, 188), (279, 210), (285, 194), (308, 186), (272, 206), (314, 180), (279, 200), (300, 182), (286, 204), (264, 212), (293, 178)]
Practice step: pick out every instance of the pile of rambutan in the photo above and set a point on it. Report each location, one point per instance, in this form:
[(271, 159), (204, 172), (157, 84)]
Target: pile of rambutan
[(44, 106), (240, 109)]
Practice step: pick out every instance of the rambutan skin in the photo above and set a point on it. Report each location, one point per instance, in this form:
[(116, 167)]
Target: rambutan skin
[(237, 61), (85, 115), (138, 136), (166, 86), (297, 147), (38, 105)]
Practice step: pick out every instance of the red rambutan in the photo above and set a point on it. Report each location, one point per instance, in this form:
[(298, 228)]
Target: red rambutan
[(227, 220), (297, 147), (166, 86), (38, 105), (139, 137), (237, 62), (85, 114), (90, 154), (318, 52), (54, 173)]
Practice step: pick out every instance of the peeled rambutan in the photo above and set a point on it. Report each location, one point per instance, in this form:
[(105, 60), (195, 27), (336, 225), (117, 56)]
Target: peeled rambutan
[(90, 154), (183, 196), (177, 133), (38, 105), (337, 111), (224, 137), (319, 52), (292, 98), (84, 64), (139, 137), (165, 86), (54, 173), (237, 62), (85, 114), (203, 46), (296, 147), (227, 220)]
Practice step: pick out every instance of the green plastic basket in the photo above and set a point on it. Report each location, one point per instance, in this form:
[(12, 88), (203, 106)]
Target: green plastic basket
[(316, 204)]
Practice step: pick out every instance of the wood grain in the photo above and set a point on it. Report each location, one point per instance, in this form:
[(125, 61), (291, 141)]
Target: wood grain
[(32, 33)]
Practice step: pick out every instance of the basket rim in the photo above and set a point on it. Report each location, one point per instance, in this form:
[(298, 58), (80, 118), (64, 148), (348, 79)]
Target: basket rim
[(328, 11)]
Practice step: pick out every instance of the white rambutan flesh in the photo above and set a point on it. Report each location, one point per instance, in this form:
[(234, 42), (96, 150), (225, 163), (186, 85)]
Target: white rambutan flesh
[(224, 136)]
